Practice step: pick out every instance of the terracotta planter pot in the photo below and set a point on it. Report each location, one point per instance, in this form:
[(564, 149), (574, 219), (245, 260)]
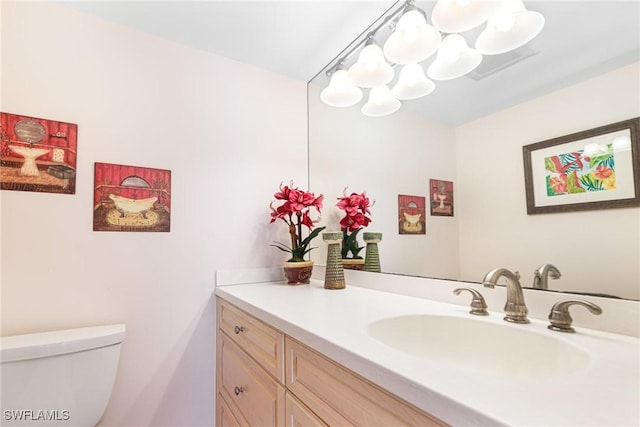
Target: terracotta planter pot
[(352, 264), (297, 273)]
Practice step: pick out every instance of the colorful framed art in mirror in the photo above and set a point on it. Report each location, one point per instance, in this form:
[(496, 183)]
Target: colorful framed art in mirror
[(597, 168)]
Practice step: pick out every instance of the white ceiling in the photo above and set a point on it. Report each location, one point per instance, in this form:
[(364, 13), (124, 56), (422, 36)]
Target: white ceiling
[(299, 38)]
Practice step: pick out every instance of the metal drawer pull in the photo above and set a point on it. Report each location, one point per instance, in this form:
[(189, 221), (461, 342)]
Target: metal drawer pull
[(237, 390), (238, 329)]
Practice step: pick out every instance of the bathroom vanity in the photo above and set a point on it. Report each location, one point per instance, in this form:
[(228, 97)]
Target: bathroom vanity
[(254, 390), (304, 355)]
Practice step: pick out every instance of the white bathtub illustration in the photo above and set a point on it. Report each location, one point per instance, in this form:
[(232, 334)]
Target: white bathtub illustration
[(124, 204), (412, 219)]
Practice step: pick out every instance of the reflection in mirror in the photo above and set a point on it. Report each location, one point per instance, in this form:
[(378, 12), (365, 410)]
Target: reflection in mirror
[(471, 132), (593, 169)]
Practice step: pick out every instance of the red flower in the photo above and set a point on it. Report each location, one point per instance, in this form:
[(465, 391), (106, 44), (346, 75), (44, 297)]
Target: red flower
[(297, 200), (306, 220), (559, 184), (603, 172), (356, 207), (294, 211), (353, 222), (280, 213)]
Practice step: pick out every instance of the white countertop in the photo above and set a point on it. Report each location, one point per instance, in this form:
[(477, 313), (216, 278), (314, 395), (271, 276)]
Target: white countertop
[(335, 323)]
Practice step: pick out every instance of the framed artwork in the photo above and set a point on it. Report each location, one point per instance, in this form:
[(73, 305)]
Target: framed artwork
[(411, 214), (37, 154), (441, 197), (131, 198), (593, 169)]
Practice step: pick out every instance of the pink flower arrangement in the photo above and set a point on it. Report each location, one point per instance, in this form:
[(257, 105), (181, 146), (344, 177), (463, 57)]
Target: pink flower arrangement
[(295, 212), (356, 208)]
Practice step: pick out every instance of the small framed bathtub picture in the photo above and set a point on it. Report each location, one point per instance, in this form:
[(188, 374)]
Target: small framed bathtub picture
[(441, 197), (411, 214), (131, 198), (38, 155)]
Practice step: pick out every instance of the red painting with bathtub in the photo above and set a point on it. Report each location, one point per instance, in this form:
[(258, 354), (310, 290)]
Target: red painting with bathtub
[(411, 214), (131, 198), (37, 154)]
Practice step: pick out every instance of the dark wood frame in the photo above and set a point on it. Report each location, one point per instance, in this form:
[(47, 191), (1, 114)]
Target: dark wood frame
[(634, 127)]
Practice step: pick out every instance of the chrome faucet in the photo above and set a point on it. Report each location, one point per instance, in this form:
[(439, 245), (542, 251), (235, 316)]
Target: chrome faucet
[(515, 310), (542, 274)]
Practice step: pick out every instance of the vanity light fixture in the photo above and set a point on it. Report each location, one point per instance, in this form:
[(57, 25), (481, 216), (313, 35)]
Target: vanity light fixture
[(381, 102), (412, 41), (455, 59), (457, 16), (510, 27), (341, 92), (412, 83), (371, 69)]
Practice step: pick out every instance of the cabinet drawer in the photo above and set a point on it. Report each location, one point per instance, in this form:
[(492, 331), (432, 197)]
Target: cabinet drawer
[(299, 415), (254, 397), (340, 397), (224, 414), (264, 343)]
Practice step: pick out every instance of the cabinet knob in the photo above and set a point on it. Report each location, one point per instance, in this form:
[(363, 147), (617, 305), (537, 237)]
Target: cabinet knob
[(238, 329), (237, 390)]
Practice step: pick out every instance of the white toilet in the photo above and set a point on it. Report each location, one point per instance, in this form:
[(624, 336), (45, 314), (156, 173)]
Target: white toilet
[(59, 378)]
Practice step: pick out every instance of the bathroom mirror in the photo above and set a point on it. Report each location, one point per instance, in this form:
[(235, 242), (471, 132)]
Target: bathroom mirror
[(581, 72)]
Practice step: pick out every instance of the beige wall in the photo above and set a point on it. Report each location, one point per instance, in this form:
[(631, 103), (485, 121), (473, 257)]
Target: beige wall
[(385, 156), (228, 132), (596, 251)]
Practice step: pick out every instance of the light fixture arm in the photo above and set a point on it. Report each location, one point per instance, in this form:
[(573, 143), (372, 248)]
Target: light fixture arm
[(349, 52), (339, 65), (408, 7)]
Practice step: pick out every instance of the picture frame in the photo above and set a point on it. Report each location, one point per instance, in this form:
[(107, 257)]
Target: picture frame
[(412, 214), (597, 168), (131, 198), (441, 197), (38, 155)]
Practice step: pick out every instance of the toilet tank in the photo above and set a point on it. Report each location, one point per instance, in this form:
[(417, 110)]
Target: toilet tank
[(59, 378)]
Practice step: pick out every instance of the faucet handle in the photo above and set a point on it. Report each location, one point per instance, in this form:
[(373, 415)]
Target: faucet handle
[(478, 305), (560, 317)]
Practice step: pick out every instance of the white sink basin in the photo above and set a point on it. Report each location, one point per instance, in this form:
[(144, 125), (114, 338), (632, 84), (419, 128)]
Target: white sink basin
[(481, 346)]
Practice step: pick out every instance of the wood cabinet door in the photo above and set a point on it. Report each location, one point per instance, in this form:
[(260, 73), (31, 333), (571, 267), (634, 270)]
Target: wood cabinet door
[(224, 414), (340, 397), (299, 415), (247, 388)]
